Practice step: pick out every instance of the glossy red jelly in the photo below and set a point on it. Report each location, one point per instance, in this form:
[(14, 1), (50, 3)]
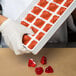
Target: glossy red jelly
[(34, 29), (26, 39), (52, 7), (43, 60), (49, 69), (68, 2), (36, 10), (24, 23), (31, 63), (43, 3), (46, 15), (61, 11), (32, 44), (39, 70), (39, 23), (30, 18), (47, 27), (54, 19), (40, 35), (58, 1)]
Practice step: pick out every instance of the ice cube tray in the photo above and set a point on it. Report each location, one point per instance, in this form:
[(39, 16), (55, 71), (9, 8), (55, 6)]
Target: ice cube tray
[(44, 17)]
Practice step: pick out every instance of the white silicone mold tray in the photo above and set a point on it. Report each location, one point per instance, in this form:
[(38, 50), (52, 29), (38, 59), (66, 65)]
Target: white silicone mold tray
[(44, 17)]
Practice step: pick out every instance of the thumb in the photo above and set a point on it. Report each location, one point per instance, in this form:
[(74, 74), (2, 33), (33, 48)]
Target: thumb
[(22, 49), (27, 31)]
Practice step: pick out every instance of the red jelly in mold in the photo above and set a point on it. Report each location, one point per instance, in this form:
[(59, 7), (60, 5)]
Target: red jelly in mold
[(31, 63), (36, 10), (54, 19), (32, 44), (68, 2), (43, 60), (39, 70), (58, 1), (43, 3), (24, 23), (34, 29), (52, 7), (39, 23), (40, 35), (26, 39), (49, 69), (61, 11), (30, 17), (46, 15), (47, 27)]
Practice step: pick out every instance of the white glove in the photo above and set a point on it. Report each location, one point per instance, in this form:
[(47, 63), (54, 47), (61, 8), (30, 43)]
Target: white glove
[(13, 33)]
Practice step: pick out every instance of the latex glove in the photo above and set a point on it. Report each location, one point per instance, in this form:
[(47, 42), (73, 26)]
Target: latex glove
[(13, 33)]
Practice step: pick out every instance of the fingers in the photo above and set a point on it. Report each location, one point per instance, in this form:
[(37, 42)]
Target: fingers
[(22, 49), (13, 36), (16, 44), (26, 30), (19, 49), (20, 46)]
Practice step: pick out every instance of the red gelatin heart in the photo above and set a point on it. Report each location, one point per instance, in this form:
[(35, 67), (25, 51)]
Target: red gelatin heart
[(30, 17), (39, 70), (68, 2), (49, 69), (26, 39), (43, 3), (39, 23), (54, 19), (52, 7), (32, 44), (24, 23), (61, 11), (58, 1), (31, 63), (36, 10), (40, 35), (46, 15), (34, 29), (47, 27), (43, 60)]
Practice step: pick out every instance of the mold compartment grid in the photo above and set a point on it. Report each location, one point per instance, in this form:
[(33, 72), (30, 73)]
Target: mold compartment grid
[(42, 18)]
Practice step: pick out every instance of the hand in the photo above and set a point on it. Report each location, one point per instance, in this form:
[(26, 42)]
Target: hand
[(13, 33), (2, 19)]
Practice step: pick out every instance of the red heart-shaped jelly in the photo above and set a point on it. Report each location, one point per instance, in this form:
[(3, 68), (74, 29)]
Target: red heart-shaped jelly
[(31, 63), (43, 60), (39, 70), (49, 69)]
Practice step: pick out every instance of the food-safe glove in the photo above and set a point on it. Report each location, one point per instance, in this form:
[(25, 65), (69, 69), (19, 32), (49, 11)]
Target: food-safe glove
[(13, 33)]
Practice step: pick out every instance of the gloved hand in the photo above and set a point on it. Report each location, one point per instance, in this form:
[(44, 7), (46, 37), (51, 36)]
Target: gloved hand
[(13, 33)]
